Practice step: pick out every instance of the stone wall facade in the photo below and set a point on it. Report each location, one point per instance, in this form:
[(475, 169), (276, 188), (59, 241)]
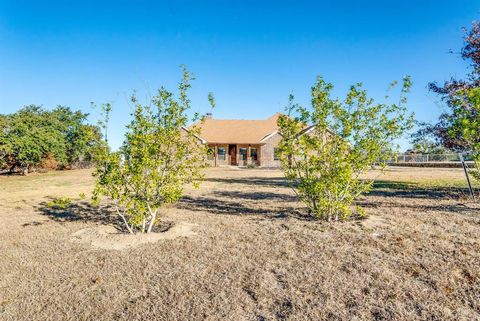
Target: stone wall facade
[(265, 155), (267, 152), (220, 156)]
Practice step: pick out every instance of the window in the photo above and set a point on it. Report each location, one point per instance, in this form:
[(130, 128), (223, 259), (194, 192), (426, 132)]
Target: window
[(253, 154), (276, 153), (221, 153), (243, 153)]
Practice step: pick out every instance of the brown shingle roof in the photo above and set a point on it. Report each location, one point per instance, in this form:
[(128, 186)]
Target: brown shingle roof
[(238, 131)]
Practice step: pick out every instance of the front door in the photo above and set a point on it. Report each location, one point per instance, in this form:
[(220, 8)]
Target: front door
[(232, 151)]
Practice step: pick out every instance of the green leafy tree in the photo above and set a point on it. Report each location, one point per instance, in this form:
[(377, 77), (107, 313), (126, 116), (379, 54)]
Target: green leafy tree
[(158, 158), (32, 134), (5, 147), (466, 124), (424, 145), (326, 148), (28, 136), (82, 144), (81, 139)]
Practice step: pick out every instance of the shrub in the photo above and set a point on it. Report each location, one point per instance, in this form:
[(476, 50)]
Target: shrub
[(326, 148), (158, 158), (49, 162), (60, 203)]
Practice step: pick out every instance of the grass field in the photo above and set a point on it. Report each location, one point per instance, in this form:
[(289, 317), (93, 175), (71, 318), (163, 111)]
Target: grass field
[(253, 254)]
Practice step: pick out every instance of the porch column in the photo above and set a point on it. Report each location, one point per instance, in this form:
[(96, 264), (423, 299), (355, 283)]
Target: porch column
[(215, 153), (249, 156), (259, 155)]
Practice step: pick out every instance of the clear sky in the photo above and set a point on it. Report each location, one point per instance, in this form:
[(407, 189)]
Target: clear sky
[(250, 54)]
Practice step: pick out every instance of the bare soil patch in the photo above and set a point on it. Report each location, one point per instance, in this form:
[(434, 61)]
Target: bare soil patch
[(254, 255), (108, 237)]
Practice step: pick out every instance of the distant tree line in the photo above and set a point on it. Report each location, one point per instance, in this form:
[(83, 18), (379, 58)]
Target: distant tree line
[(34, 137)]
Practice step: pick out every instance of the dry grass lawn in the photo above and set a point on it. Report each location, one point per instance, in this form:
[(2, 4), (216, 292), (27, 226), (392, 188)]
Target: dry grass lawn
[(253, 255)]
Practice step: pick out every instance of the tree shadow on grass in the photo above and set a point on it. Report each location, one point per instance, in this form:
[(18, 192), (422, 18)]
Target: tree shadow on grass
[(256, 181), (82, 211), (397, 194), (459, 208), (238, 208), (254, 196), (411, 190), (380, 188), (242, 203)]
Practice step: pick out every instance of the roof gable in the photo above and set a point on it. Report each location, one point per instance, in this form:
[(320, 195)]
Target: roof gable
[(238, 131)]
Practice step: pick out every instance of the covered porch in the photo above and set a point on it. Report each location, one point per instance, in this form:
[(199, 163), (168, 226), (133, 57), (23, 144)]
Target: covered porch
[(234, 154)]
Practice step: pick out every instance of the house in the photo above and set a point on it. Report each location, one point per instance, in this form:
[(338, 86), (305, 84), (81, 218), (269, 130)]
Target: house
[(239, 142)]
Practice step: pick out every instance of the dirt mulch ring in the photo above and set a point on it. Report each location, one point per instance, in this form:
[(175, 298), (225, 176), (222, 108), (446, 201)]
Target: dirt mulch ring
[(108, 237)]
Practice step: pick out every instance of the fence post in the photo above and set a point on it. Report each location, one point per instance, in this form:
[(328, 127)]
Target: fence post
[(460, 155)]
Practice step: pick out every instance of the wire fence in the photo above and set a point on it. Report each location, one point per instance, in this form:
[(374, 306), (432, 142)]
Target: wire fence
[(425, 158)]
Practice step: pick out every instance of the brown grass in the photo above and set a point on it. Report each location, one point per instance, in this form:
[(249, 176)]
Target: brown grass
[(254, 256)]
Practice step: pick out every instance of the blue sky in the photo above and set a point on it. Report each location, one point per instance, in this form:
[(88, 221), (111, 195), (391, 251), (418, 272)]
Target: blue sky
[(250, 54)]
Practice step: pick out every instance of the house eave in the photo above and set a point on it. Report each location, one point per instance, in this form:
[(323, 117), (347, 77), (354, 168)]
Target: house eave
[(269, 136), (235, 143), (196, 136)]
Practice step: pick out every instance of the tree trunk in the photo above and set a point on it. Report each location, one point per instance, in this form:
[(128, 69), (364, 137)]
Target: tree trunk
[(152, 221), (124, 220)]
